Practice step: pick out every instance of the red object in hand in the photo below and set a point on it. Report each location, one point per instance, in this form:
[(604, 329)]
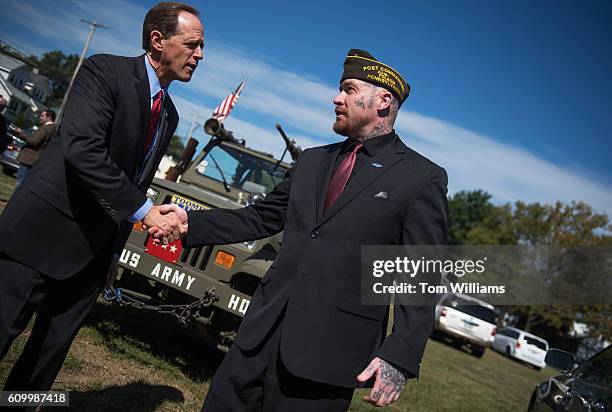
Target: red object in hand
[(169, 253)]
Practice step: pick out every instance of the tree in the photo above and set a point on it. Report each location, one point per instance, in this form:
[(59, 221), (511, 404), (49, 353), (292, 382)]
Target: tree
[(59, 68), (563, 225), (495, 229), (467, 210), (474, 220), (175, 147)]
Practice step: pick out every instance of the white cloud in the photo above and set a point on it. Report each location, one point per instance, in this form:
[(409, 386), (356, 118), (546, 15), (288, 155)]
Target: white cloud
[(509, 173)]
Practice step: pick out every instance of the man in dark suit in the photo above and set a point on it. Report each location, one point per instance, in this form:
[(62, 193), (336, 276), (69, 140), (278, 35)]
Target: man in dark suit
[(35, 143), (306, 341), (69, 220)]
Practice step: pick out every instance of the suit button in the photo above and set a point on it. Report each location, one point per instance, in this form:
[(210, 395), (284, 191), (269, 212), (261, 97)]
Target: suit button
[(314, 234)]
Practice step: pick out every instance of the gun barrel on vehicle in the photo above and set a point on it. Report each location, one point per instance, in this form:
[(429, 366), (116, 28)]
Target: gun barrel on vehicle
[(294, 150), (215, 128)]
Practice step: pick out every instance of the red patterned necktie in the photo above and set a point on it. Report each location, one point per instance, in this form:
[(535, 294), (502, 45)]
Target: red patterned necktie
[(340, 178), (155, 113)]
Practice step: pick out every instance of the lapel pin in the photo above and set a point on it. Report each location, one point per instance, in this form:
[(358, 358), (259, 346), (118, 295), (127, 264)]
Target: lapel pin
[(377, 165)]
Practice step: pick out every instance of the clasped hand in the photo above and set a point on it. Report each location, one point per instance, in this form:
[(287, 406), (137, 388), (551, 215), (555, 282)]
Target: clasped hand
[(166, 223)]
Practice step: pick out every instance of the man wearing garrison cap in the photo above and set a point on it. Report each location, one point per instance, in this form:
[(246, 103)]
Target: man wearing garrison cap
[(306, 340)]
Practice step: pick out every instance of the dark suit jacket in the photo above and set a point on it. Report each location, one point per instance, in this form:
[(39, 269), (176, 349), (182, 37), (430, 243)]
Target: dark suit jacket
[(88, 180), (29, 154), (327, 335)]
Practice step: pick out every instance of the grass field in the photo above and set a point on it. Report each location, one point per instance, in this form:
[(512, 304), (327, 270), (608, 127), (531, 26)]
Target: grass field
[(129, 360), (124, 359)]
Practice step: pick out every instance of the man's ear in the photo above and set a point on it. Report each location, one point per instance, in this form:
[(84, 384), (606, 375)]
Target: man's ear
[(385, 100), (156, 41)]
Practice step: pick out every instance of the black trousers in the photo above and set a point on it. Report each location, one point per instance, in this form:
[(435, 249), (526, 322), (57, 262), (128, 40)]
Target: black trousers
[(258, 381), (61, 305)]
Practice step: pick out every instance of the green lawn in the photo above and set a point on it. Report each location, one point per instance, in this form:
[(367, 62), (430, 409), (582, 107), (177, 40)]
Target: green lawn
[(130, 360)]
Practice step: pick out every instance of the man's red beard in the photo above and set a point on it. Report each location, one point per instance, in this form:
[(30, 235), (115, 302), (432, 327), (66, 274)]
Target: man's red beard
[(341, 126)]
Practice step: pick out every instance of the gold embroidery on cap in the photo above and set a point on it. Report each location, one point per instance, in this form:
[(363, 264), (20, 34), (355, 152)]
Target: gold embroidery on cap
[(387, 69)]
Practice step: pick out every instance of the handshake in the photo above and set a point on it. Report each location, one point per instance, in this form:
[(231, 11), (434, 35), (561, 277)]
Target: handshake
[(166, 223)]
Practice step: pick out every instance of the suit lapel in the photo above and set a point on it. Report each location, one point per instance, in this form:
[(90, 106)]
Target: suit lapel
[(326, 167), (143, 91), (387, 158)]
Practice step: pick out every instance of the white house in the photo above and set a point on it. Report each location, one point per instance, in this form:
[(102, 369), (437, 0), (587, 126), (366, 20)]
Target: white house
[(24, 88)]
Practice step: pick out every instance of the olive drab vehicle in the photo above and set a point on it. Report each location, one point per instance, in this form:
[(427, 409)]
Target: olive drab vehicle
[(209, 288)]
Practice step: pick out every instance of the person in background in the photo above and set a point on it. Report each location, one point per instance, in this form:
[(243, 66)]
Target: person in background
[(35, 143)]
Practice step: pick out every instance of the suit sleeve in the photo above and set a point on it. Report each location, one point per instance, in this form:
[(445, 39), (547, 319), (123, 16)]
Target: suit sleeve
[(84, 133), (426, 223), (225, 226)]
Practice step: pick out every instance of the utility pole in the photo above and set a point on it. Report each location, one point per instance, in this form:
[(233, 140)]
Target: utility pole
[(193, 125), (93, 25)]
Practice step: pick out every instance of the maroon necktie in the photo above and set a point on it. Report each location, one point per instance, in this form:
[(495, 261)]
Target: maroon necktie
[(340, 178), (155, 113)]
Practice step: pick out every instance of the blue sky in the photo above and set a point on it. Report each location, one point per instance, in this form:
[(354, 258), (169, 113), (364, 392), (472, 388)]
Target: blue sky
[(510, 97)]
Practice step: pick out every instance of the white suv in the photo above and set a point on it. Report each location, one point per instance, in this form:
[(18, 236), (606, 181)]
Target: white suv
[(465, 319), (518, 344)]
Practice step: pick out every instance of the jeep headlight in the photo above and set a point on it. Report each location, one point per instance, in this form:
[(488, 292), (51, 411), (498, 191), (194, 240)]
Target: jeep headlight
[(152, 194), (249, 245)]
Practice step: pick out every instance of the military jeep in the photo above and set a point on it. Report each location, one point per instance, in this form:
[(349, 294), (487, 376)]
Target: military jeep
[(208, 288)]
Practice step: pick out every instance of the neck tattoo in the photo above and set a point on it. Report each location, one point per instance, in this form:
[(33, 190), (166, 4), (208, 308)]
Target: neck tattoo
[(380, 129)]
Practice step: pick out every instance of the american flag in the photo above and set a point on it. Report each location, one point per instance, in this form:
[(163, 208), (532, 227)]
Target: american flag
[(224, 109)]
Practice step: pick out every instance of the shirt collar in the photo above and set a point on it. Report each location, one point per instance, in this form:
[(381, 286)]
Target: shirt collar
[(154, 85), (370, 146)]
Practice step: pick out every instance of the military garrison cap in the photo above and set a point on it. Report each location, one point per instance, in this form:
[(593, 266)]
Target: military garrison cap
[(361, 65)]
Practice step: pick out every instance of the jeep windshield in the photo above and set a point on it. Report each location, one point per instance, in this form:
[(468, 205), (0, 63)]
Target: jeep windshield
[(240, 169)]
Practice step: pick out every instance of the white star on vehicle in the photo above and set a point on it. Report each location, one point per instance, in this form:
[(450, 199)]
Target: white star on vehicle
[(172, 249), (164, 247)]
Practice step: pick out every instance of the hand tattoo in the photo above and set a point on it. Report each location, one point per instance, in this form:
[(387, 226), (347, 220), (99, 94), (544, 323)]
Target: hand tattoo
[(391, 377)]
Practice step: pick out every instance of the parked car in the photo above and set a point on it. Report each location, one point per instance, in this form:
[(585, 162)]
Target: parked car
[(585, 388), (8, 158), (466, 320), (520, 345)]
